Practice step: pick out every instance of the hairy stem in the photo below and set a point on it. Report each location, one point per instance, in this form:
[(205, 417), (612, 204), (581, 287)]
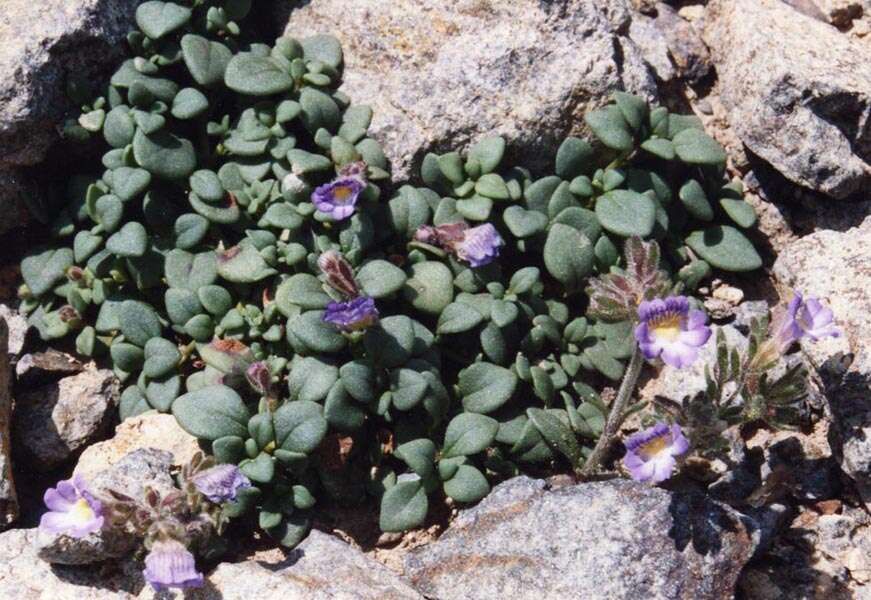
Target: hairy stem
[(616, 415)]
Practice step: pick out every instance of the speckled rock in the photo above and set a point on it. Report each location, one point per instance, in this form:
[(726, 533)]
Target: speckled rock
[(23, 576), (149, 430), (8, 497), (676, 384), (54, 422), (321, 568), (12, 188), (41, 45), (442, 74), (147, 467), (836, 266), (608, 540), (17, 324), (670, 44), (797, 91)]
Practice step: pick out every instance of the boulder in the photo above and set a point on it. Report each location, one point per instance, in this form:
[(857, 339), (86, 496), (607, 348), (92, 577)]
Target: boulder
[(321, 568), (23, 576), (55, 422), (16, 323), (440, 75), (610, 540), (147, 467), (43, 45), (148, 430), (836, 267), (8, 497), (670, 44), (797, 92)]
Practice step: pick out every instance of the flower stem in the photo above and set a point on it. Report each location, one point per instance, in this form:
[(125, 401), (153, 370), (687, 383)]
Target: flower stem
[(616, 415)]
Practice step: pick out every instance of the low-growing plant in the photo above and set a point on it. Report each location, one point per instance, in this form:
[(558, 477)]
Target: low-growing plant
[(236, 261)]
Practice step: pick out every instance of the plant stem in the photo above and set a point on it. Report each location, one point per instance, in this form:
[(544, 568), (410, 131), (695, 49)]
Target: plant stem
[(616, 415)]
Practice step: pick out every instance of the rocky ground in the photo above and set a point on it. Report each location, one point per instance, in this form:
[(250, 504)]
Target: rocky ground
[(784, 85)]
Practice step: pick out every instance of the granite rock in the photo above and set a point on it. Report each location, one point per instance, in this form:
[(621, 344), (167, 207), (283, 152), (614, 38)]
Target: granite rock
[(43, 44), (611, 540), (8, 497), (440, 75), (55, 422), (797, 92)]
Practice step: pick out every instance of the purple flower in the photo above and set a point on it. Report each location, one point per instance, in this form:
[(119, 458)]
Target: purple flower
[(479, 246), (353, 315), (221, 483), (671, 330), (73, 511), (804, 318), (338, 198), (170, 565), (259, 377), (650, 454)]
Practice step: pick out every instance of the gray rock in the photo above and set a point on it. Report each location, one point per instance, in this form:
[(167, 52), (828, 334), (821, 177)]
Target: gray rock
[(670, 44), (8, 497), (836, 267), (53, 423), (147, 467), (608, 540), (321, 568), (440, 75), (746, 312), (676, 384), (24, 577), (44, 367), (16, 322), (12, 189), (42, 44), (797, 92)]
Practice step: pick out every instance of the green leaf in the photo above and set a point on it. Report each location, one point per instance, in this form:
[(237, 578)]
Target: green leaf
[(42, 270), (430, 288), (126, 357), (190, 271), (161, 357), (128, 183), (492, 186), (318, 110), (726, 248), (574, 157), (119, 127), (189, 230), (254, 75), (469, 433), (156, 18), (341, 411), (458, 317), (524, 223), (626, 213), (311, 379), (403, 506), (633, 108), (696, 147), (292, 530), (299, 426), (162, 392), (324, 48), (212, 412), (206, 60), (741, 213), (420, 455), (164, 154), (282, 215), (139, 323), (557, 434), (303, 290), (488, 152), (189, 103), (108, 212), (229, 449), (693, 196), (485, 387), (359, 379), (131, 240), (391, 342), (259, 470), (408, 387), (451, 166), (379, 278), (308, 333), (132, 403), (523, 280), (659, 147), (207, 185), (609, 125), (243, 264), (568, 255), (467, 485)]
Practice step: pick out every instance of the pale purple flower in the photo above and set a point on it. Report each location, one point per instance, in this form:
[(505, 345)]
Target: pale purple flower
[(804, 318), (480, 245), (171, 565), (650, 454), (669, 329), (338, 199), (73, 511), (353, 315), (220, 483), (259, 377)]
